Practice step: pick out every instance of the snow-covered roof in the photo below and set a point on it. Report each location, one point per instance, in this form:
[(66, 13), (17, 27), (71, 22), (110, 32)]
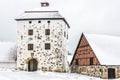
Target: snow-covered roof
[(40, 14), (69, 58), (7, 52), (105, 47)]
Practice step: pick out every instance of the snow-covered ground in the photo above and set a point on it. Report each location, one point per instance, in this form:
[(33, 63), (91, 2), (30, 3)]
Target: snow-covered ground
[(23, 75)]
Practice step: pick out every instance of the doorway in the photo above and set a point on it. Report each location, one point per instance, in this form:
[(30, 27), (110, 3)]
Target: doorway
[(91, 61), (111, 73), (32, 65)]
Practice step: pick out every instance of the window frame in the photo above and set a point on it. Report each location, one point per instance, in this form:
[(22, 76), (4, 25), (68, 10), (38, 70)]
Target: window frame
[(30, 46), (91, 61), (30, 32), (47, 46), (64, 34), (47, 31)]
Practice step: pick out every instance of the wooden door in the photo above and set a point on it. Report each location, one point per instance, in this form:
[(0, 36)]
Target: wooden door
[(32, 65), (111, 73)]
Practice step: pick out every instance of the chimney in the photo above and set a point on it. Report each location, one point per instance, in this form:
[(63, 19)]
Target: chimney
[(44, 4)]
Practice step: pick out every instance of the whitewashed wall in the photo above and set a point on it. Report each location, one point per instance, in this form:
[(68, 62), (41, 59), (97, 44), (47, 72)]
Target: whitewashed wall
[(54, 59)]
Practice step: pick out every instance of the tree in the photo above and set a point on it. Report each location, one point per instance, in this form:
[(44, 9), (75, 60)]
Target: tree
[(13, 53)]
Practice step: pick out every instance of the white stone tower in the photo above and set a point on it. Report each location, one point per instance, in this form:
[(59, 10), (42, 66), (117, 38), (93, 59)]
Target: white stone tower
[(42, 40)]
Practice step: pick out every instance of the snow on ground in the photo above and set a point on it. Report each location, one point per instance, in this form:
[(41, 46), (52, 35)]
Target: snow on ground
[(24, 75), (6, 50)]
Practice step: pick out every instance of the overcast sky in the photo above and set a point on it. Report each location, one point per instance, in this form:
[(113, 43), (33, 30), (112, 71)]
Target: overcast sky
[(91, 16)]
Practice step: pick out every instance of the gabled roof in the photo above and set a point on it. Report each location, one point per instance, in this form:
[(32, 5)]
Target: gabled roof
[(105, 47), (69, 58), (41, 14), (7, 52), (76, 49)]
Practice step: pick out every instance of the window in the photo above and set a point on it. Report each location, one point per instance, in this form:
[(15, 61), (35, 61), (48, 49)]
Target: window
[(30, 22), (67, 36), (44, 4), (91, 61), (48, 21), (64, 34), (30, 32), (77, 62), (47, 32), (39, 21), (21, 37), (30, 46), (47, 45)]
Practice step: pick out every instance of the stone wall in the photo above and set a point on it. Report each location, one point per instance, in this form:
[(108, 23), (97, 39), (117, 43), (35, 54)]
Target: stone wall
[(95, 70), (54, 59)]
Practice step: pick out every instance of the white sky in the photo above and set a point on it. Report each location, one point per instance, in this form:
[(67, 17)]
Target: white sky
[(91, 16)]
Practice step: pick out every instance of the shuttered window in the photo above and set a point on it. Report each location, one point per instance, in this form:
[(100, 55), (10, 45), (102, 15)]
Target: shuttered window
[(76, 61), (47, 31), (47, 46), (30, 46), (64, 34), (91, 61), (30, 32)]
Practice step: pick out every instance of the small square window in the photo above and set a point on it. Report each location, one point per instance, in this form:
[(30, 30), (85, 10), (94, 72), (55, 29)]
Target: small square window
[(30, 46), (39, 21), (64, 34), (30, 22), (30, 32), (77, 63), (91, 61), (47, 45), (47, 31), (67, 36), (48, 21)]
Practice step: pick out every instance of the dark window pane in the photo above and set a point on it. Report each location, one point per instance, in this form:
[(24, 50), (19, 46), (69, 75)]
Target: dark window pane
[(44, 4), (47, 32), (64, 34), (76, 61), (47, 45), (91, 61), (67, 36), (39, 21), (48, 21), (30, 22), (30, 46), (30, 32)]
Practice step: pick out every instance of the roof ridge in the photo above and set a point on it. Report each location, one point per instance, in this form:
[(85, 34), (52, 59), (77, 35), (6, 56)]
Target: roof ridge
[(110, 35), (38, 11)]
